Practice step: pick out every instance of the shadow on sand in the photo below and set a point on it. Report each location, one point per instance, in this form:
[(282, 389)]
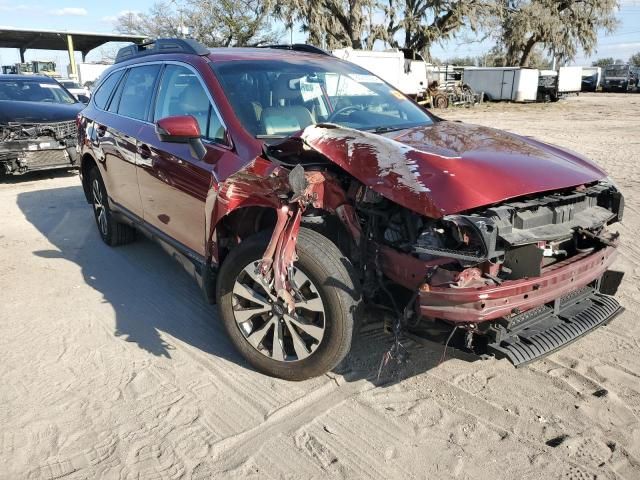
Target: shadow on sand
[(38, 175), (150, 293)]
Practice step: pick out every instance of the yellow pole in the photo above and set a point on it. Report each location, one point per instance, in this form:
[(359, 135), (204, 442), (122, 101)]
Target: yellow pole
[(72, 57)]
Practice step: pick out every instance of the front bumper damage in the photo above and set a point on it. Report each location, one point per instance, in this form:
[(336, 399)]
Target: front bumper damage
[(521, 275), (478, 304), (28, 147), (523, 320), (546, 278), (537, 277)]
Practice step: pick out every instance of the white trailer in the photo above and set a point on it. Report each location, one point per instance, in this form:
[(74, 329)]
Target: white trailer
[(569, 80), (503, 83), (408, 76)]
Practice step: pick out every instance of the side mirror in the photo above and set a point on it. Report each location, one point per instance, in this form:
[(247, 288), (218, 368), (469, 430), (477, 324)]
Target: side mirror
[(83, 99), (182, 129)]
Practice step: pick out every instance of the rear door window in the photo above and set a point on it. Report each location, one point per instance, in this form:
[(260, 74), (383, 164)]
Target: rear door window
[(137, 92), (102, 95), (181, 93)]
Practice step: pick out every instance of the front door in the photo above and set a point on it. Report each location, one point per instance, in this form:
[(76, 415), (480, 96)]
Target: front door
[(173, 183)]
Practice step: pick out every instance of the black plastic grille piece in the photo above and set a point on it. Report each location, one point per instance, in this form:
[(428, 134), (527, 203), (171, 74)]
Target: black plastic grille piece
[(550, 332), (46, 158)]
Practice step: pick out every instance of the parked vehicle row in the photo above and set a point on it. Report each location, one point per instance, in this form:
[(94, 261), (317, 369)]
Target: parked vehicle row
[(296, 188)]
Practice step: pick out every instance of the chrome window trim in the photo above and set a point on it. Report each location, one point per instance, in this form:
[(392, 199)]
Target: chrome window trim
[(99, 86), (228, 144)]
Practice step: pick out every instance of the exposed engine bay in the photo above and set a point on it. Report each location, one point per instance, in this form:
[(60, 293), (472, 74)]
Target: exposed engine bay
[(513, 240), (37, 146), (482, 270)]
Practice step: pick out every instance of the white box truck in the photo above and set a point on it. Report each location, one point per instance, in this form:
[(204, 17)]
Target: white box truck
[(408, 76), (503, 83)]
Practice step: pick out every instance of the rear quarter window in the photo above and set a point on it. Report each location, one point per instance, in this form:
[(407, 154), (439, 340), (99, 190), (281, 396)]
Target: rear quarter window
[(103, 93)]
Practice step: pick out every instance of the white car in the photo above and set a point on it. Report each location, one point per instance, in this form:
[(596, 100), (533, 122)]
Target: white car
[(74, 88)]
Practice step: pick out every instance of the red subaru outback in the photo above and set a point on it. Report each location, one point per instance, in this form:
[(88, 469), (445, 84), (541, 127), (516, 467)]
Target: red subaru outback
[(297, 187)]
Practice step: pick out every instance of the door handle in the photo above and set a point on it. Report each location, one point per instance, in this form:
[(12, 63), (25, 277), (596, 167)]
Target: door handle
[(144, 151)]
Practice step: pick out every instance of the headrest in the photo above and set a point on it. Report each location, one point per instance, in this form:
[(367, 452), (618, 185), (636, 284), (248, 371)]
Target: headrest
[(283, 90)]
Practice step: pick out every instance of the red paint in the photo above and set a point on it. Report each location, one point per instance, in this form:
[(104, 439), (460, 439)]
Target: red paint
[(179, 126), (474, 305), (451, 167), (405, 269)]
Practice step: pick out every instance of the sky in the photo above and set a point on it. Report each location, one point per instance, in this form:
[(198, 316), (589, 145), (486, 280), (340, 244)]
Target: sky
[(74, 15)]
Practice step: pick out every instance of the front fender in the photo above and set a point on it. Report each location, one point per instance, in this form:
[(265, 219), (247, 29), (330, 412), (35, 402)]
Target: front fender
[(260, 184)]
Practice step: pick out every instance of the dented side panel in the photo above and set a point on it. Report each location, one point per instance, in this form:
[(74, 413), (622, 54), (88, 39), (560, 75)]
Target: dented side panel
[(253, 186)]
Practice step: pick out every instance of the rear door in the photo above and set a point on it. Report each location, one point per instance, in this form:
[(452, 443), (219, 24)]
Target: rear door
[(100, 134), (126, 116), (173, 183), (508, 78)]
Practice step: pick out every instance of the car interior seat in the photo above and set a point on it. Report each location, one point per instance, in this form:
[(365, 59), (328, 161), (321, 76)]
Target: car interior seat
[(289, 113)]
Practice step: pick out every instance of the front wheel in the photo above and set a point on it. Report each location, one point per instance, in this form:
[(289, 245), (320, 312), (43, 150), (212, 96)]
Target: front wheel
[(293, 347)]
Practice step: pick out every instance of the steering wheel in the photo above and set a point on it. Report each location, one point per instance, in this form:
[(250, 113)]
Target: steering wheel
[(343, 111)]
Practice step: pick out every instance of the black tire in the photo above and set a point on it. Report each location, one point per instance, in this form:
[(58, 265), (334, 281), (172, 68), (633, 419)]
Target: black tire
[(112, 232), (331, 275)]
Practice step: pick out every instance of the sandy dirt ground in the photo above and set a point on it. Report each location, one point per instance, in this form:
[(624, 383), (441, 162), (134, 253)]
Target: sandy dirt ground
[(112, 366)]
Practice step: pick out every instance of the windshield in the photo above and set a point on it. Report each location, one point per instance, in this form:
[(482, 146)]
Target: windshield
[(275, 98), (617, 71), (34, 90)]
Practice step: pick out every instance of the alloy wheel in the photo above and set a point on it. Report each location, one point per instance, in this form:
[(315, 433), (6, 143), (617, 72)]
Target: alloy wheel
[(265, 323), (99, 207)]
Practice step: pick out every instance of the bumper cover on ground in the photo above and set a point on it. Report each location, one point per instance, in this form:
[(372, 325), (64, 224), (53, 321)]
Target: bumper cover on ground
[(541, 331)]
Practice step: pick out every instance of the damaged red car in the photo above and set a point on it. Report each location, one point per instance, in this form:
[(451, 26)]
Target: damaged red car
[(297, 188)]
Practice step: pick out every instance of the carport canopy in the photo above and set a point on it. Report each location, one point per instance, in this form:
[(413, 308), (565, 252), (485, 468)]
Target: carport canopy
[(84, 42)]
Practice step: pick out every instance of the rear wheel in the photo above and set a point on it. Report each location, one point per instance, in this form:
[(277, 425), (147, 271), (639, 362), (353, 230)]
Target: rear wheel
[(303, 345), (111, 231)]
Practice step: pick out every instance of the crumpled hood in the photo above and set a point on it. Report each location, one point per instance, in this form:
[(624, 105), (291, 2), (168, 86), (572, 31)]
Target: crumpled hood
[(37, 112), (450, 167)]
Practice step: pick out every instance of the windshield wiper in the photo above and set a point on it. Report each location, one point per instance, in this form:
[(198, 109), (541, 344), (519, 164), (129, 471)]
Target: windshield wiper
[(388, 129), (271, 136)]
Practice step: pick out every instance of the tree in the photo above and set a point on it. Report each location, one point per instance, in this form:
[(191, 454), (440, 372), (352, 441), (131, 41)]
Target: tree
[(603, 62), (559, 25), (329, 23), (496, 57), (461, 61), (409, 24), (423, 22), (635, 59), (215, 23)]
